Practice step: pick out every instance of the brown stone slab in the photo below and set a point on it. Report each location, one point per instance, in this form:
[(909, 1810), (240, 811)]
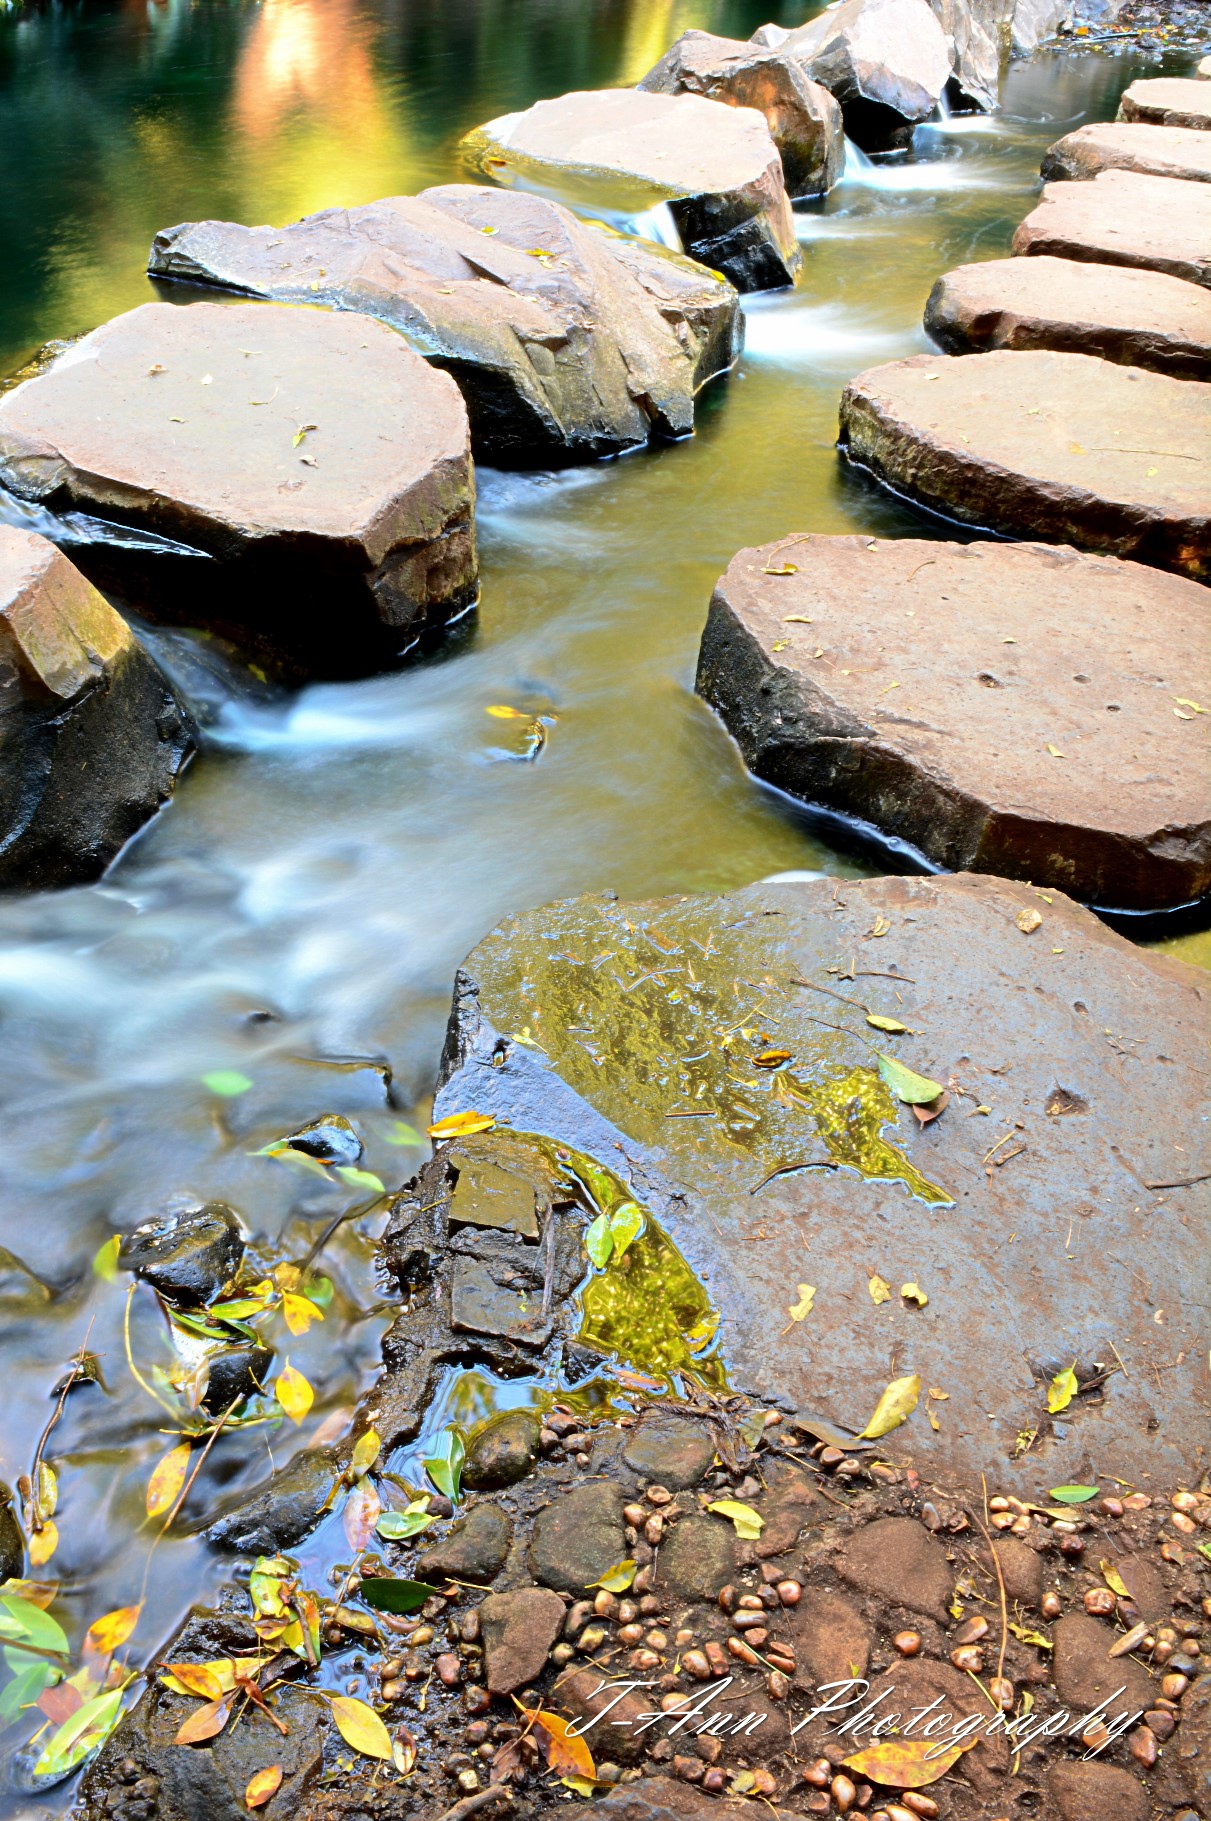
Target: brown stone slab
[(1062, 447), (311, 473), (91, 733), (1120, 313), (567, 342), (1047, 1245), (1123, 218), (1156, 151), (1167, 101), (624, 150), (1005, 708)]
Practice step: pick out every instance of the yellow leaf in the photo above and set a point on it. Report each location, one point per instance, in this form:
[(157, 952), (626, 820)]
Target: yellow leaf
[(1028, 920), (361, 1727), (203, 1679), (299, 1311), (264, 1784), (1184, 702), (106, 1635), (894, 1407), (461, 1125), (293, 1392), (913, 1293), (905, 1763), (1114, 1580), (880, 1290), (365, 1453), (166, 1480), (802, 1309), (46, 1500), (501, 712), (43, 1543), (885, 1024), (771, 1059), (934, 1424), (618, 1578), (1077, 449), (1061, 1391), (1055, 752), (748, 1523), (565, 1754)]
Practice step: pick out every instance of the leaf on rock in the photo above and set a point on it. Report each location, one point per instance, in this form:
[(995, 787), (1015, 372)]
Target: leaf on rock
[(1062, 1389), (894, 1407), (1073, 1495), (108, 1634), (802, 1309), (293, 1392), (461, 1125), (885, 1024), (618, 1578), (565, 1754), (392, 1593), (445, 1464), (912, 1089), (262, 1785), (360, 1727), (204, 1722), (1028, 920), (913, 1293), (880, 1290), (905, 1763), (203, 1679), (771, 1059), (365, 1453), (748, 1523)]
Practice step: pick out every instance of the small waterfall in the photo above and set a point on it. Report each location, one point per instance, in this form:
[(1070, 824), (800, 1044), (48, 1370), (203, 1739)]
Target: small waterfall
[(657, 224), (857, 166)]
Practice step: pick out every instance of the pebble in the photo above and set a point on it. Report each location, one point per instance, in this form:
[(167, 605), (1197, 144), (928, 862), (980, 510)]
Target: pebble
[(1100, 1602), (476, 1700), (449, 1670), (635, 1516), (690, 1770), (778, 1686), (971, 1631), (1137, 1501), (606, 1605), (1185, 1524), (1142, 1744), (741, 1650), (727, 1598), (968, 1657), (1184, 1501), (715, 1780), (921, 1804), (908, 1643), (717, 1658), (1003, 1693), (749, 1602), (708, 1747), (695, 1664), (1173, 1687), (658, 1495), (789, 1592), (1112, 1507), (1160, 1723), (844, 1792), (630, 1634), (818, 1773), (764, 1784), (653, 1530), (1051, 1606), (749, 1621), (1072, 1546)]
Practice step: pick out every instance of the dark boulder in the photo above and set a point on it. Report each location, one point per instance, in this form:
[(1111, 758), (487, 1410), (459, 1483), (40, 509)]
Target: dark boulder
[(502, 1452), (12, 1542), (886, 61), (331, 1139), (189, 1255), (473, 1549)]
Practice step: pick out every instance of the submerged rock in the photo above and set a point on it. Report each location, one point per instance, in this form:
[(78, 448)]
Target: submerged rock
[(502, 1452), (1157, 151), (92, 735), (1052, 445), (625, 151), (279, 1513), (188, 1255), (886, 61), (1004, 708), (1136, 318), (803, 118), (809, 1168), (12, 1542), (567, 341), (331, 1139), (1167, 101), (295, 479), (1123, 218)]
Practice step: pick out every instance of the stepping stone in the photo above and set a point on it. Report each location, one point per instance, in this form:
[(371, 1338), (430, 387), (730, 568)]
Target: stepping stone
[(92, 735), (928, 689), (803, 118), (623, 152), (886, 61), (1156, 151), (1124, 218), (1123, 314), (1204, 69), (296, 480), (1167, 101), (567, 343), (811, 1170), (1056, 446)]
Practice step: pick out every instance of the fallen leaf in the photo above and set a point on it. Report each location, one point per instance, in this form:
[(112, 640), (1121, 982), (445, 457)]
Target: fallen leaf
[(361, 1179), (931, 1109), (618, 1578), (885, 1024), (365, 1453), (226, 1083), (106, 1635), (1185, 702), (1061, 1391), (197, 1679), (43, 1543), (105, 1259), (565, 1754), (748, 1523), (912, 1089), (204, 1722), (894, 1407), (299, 1312), (445, 1464), (802, 1309), (461, 1125), (293, 1392), (1114, 1580), (359, 1515), (1055, 752), (771, 1059), (905, 1763), (392, 1593), (1073, 1495), (360, 1727), (403, 1751), (913, 1293), (301, 432), (167, 1479), (262, 1785), (598, 1241), (880, 1290), (395, 1525), (626, 1223), (1031, 1637)]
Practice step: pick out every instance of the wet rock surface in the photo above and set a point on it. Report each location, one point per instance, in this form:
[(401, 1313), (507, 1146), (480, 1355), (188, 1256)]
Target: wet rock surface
[(886, 61), (1157, 151), (1167, 101), (897, 1561), (577, 1539), (625, 150), (567, 343), (1133, 317), (518, 1630), (273, 474), (669, 1448), (1057, 446), (473, 1549), (503, 1451), (1124, 218), (803, 118), (187, 1255), (1038, 731), (92, 735)]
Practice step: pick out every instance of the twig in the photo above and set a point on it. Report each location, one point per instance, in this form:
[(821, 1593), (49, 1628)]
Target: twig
[(1182, 1182), (483, 1798), (75, 1372), (1000, 1583)]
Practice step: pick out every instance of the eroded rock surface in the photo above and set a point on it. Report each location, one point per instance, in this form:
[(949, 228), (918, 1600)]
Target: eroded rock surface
[(803, 118), (886, 61), (1004, 708), (1059, 446), (624, 151), (1157, 151), (1136, 318), (1167, 101), (1123, 218), (296, 479), (92, 735), (567, 342)]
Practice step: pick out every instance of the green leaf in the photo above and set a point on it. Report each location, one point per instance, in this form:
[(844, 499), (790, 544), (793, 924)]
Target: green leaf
[(389, 1593), (1074, 1495), (360, 1179), (396, 1525), (1062, 1389), (1204, 1549), (445, 1464), (626, 1223), (226, 1083), (208, 1330), (913, 1090), (21, 1622), (29, 1679), (599, 1241), (748, 1523), (891, 1025), (105, 1259), (79, 1737), (402, 1133)]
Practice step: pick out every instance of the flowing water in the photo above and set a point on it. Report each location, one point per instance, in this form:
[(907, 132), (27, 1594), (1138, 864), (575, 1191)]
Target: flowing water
[(297, 915)]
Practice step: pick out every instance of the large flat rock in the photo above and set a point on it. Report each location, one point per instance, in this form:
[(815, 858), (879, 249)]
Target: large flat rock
[(1167, 101), (1076, 1069), (1062, 447), (1119, 313), (1157, 151), (568, 342), (623, 150), (1123, 218), (928, 689), (886, 61), (310, 473), (803, 118), (91, 733)]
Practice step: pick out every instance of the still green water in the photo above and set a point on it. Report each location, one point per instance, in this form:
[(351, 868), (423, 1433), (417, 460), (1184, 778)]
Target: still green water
[(298, 913)]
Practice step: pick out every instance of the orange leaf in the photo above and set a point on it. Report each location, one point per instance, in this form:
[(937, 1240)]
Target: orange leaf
[(293, 1393), (204, 1722), (168, 1476), (43, 1543), (264, 1784), (106, 1635), (199, 1679), (565, 1755), (905, 1763)]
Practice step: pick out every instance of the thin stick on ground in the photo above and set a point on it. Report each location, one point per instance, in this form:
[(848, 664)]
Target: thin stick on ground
[(1000, 1583)]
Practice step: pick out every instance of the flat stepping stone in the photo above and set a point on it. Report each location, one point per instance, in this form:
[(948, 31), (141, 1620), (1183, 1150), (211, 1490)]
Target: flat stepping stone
[(295, 479), (1167, 101), (770, 1174), (624, 151), (1062, 447), (1156, 151), (1124, 218), (567, 343), (1137, 318), (1003, 708), (92, 735)]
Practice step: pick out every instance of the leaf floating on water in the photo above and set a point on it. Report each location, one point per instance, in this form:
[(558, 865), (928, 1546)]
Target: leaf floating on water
[(226, 1083), (880, 1023), (912, 1089), (293, 1392), (626, 1223), (106, 1635), (21, 1621), (618, 1578), (43, 1543), (500, 711), (771, 1059), (1061, 1391), (1073, 1495), (444, 1466), (167, 1479), (392, 1593), (462, 1125), (1028, 920), (415, 1517), (262, 1785), (360, 1727), (204, 1722), (905, 1763), (299, 1312), (748, 1523), (105, 1259), (894, 1407), (913, 1293), (880, 1290), (80, 1736), (359, 1515)]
